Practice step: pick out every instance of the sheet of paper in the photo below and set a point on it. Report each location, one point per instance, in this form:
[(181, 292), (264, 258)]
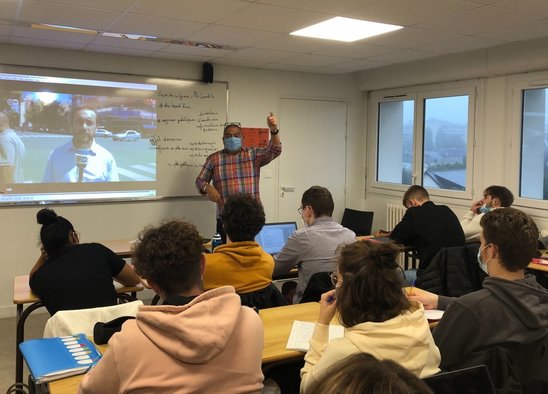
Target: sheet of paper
[(301, 332), (433, 314)]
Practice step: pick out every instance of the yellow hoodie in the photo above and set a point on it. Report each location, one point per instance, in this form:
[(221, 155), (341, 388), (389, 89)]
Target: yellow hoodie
[(243, 265)]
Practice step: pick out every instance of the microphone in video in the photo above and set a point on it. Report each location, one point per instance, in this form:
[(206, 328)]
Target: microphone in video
[(81, 159)]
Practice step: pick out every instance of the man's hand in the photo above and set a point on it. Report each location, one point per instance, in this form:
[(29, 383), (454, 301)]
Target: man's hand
[(475, 206), (213, 194), (272, 122), (427, 299)]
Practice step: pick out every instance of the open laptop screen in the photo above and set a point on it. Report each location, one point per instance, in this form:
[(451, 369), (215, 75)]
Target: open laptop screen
[(273, 236)]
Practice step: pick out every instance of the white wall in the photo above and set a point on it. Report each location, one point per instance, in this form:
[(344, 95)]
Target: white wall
[(495, 156), (253, 93)]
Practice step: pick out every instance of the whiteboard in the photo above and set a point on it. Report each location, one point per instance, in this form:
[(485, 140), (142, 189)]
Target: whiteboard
[(191, 116)]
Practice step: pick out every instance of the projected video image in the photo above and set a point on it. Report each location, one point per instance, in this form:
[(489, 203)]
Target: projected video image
[(82, 138)]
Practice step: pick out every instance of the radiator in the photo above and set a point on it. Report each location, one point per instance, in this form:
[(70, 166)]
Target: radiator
[(394, 214)]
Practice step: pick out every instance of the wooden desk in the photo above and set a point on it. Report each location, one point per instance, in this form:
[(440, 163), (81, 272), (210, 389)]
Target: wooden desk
[(538, 267), (22, 295), (122, 247)]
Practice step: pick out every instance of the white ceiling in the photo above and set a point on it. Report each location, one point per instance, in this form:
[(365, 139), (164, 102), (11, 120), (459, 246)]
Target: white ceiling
[(257, 31)]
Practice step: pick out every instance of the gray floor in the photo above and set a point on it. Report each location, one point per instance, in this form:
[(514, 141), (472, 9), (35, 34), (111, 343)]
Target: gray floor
[(34, 328)]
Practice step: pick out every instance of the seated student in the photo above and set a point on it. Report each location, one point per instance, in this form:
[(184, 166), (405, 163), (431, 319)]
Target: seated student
[(196, 342), (241, 262), (493, 197), (363, 373), (427, 227), (313, 249), (510, 309), (376, 314), (69, 275)]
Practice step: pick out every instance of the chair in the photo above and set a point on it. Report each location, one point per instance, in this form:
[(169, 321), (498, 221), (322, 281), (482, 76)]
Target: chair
[(82, 320), (516, 368), (472, 380), (268, 297), (319, 283), (358, 221)]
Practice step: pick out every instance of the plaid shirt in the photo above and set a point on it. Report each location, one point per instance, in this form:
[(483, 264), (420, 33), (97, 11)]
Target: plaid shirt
[(236, 172)]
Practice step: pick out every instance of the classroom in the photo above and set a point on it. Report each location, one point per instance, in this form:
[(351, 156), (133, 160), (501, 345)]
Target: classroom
[(488, 51)]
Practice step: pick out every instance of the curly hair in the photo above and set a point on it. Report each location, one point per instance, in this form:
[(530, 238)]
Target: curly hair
[(515, 235), (243, 217), (170, 255), (55, 231), (504, 195), (371, 284), (363, 373)]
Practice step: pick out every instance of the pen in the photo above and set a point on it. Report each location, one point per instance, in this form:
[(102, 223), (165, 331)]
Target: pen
[(412, 285), (330, 299)]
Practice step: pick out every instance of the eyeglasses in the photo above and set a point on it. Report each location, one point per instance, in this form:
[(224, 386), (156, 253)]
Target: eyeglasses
[(335, 279), (300, 210), (228, 124)]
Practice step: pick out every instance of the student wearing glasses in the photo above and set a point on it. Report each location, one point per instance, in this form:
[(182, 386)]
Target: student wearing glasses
[(236, 169), (70, 275), (376, 314)]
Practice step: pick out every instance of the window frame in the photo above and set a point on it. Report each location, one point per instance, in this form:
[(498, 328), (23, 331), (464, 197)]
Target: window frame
[(518, 84), (419, 94)]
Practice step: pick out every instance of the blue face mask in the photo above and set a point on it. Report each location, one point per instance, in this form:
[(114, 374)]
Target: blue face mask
[(484, 208), (233, 144), (482, 265)]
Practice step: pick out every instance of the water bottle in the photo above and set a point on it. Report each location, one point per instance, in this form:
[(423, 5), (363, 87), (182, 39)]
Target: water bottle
[(215, 241)]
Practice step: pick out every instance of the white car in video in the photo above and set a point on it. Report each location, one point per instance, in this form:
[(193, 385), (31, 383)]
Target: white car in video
[(128, 135), (104, 133)]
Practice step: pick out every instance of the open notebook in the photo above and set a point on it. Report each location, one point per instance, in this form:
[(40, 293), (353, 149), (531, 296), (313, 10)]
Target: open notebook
[(273, 236), (301, 332)]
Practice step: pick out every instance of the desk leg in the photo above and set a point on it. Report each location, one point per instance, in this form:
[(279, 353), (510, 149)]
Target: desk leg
[(20, 337)]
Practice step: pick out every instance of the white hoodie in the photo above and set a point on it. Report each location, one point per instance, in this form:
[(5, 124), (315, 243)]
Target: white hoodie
[(405, 339), (213, 344)]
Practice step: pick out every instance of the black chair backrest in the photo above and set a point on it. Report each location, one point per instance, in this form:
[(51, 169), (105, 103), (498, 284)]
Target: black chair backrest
[(472, 380), (518, 368), (358, 221), (268, 297), (319, 283)]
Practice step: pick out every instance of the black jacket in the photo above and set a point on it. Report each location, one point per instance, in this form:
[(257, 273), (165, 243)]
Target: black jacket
[(428, 228), (452, 272)]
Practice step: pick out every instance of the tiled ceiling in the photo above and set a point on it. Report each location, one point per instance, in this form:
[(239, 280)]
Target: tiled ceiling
[(256, 32)]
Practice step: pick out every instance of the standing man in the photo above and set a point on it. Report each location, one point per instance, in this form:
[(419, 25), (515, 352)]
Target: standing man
[(427, 227), (493, 197), (12, 153), (236, 169), (81, 159)]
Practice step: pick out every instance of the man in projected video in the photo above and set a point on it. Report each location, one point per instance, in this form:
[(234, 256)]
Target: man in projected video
[(81, 159), (12, 153)]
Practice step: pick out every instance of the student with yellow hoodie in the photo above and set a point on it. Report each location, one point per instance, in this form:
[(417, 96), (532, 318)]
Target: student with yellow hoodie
[(376, 314), (241, 262)]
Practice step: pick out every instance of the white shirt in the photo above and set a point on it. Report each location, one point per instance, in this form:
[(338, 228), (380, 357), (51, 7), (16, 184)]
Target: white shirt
[(61, 167), (12, 153)]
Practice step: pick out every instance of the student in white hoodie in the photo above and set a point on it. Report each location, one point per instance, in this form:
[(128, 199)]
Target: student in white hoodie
[(376, 314), (196, 342)]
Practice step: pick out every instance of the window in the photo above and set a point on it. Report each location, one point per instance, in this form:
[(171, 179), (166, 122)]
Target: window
[(424, 137), (534, 144)]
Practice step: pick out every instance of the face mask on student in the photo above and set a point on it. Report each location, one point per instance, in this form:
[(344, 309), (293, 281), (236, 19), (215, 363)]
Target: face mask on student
[(482, 265), (484, 208), (233, 144)]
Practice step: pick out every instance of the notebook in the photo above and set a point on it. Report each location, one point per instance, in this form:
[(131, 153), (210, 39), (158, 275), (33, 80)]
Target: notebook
[(56, 358), (273, 236), (301, 332)]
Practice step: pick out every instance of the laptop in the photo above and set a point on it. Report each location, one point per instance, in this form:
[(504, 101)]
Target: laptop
[(273, 236)]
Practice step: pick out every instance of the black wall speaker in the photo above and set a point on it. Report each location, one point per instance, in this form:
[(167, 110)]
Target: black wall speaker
[(207, 73)]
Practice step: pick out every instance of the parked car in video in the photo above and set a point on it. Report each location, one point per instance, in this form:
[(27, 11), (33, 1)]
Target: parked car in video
[(128, 135), (104, 133)]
